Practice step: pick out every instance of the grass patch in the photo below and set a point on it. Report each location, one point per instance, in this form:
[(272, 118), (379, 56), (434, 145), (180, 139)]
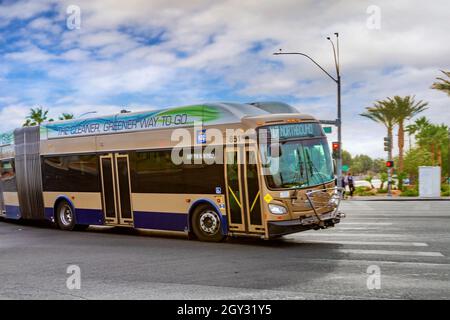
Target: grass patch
[(410, 193), (364, 191)]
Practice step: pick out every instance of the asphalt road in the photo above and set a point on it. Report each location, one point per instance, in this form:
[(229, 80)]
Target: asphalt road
[(408, 242)]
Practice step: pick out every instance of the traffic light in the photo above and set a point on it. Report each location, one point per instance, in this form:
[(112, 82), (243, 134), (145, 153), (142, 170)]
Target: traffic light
[(389, 164), (335, 146), (387, 144)]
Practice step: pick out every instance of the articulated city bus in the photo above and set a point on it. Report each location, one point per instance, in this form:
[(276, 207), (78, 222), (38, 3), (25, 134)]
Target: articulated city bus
[(177, 169)]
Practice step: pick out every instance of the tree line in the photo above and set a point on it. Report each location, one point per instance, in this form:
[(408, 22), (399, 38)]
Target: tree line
[(432, 140), (38, 115)]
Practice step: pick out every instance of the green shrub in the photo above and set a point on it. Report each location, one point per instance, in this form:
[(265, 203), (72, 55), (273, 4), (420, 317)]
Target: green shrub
[(359, 191), (401, 176), (382, 190), (410, 193), (364, 191)]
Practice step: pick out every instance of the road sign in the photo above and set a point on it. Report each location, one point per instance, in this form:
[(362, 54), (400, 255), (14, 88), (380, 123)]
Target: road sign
[(327, 129), (345, 167)]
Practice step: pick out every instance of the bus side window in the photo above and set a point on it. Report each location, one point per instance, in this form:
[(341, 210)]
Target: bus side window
[(8, 175), (72, 173)]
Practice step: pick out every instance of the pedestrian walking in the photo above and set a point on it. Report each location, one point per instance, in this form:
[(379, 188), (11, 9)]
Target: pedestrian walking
[(351, 184), (344, 185)]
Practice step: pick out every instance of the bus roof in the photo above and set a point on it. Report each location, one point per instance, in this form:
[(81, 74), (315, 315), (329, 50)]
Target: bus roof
[(204, 114)]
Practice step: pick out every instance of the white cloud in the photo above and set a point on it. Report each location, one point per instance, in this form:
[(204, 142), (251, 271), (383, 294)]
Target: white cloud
[(30, 54), (115, 53)]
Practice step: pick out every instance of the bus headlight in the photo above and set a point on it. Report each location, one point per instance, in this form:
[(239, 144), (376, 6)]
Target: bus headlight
[(276, 209)]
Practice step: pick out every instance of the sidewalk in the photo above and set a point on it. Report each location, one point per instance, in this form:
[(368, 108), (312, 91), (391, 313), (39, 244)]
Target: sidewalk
[(397, 198)]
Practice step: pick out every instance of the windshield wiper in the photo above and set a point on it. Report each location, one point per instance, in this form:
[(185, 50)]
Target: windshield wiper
[(314, 168)]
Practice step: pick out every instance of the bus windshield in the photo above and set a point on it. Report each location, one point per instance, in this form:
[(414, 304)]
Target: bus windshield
[(299, 164)]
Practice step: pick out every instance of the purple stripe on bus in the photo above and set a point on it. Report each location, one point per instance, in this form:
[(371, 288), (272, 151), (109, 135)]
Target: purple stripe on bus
[(48, 214), (82, 216), (12, 212), (161, 220), (89, 216)]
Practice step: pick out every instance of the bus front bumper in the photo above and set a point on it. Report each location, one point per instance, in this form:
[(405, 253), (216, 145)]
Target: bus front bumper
[(327, 220)]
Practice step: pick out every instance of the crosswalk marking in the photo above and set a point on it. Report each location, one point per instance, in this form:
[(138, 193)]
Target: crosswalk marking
[(366, 223), (356, 228), (358, 262), (392, 252), (370, 234), (370, 243), (345, 234)]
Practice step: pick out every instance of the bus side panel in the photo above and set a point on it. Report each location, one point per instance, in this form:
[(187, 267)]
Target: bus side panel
[(9, 187), (161, 211), (75, 179), (2, 201), (163, 192), (87, 206), (161, 221), (12, 208)]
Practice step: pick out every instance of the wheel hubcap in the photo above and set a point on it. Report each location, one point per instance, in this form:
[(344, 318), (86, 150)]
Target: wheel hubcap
[(66, 215), (209, 222)]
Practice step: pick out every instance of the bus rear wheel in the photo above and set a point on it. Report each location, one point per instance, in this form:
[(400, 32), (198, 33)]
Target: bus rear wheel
[(206, 224), (65, 217)]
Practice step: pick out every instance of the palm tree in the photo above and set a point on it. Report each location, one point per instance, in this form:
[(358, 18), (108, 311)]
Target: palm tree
[(382, 112), (383, 179), (418, 125), (369, 179), (442, 84), (435, 138), (36, 117), (66, 116), (404, 109)]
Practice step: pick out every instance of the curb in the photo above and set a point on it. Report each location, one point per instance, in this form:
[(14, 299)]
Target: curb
[(400, 199)]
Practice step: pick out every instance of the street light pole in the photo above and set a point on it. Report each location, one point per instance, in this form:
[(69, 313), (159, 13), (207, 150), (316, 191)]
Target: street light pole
[(337, 80), (339, 133)]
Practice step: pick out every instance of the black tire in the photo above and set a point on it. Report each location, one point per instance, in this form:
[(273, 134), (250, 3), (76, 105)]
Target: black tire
[(206, 224), (64, 216), (81, 227)]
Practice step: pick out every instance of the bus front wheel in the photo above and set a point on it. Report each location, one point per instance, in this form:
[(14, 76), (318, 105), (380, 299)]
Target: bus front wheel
[(206, 224)]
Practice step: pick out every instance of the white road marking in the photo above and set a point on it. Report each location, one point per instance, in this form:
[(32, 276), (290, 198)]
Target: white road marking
[(359, 262), (344, 234), (366, 223), (355, 228), (370, 243), (374, 215), (389, 252)]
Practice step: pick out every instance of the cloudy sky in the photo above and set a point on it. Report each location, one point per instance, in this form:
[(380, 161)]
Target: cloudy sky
[(145, 54)]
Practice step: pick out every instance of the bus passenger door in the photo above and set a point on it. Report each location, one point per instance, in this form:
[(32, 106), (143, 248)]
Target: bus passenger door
[(115, 173), (243, 193)]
